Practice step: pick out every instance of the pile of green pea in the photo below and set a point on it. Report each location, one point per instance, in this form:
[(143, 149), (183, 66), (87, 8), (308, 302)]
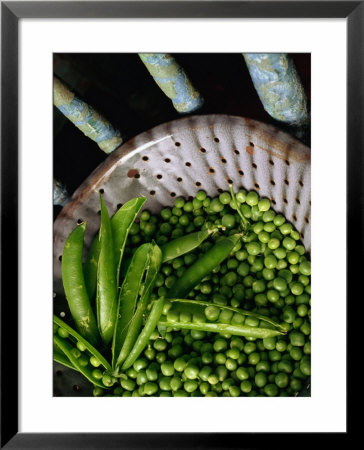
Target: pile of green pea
[(268, 272)]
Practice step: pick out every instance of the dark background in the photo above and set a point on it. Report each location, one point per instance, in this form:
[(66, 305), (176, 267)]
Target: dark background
[(120, 87)]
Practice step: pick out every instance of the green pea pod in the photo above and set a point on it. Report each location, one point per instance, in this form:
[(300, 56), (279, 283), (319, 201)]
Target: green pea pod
[(107, 284), (203, 266), (143, 338), (187, 305), (121, 223), (74, 285), (61, 358), (130, 309), (67, 348), (238, 330), (178, 247), (77, 337), (184, 244)]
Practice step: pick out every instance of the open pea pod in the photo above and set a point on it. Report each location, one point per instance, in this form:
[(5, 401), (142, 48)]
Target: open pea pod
[(107, 282), (61, 358), (76, 337), (134, 298), (67, 348), (205, 316), (200, 305), (143, 338), (121, 222)]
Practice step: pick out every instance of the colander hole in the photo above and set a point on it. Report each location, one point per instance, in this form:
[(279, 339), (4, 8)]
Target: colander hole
[(60, 257), (251, 144), (273, 201), (99, 212), (272, 182), (216, 139), (236, 152), (152, 192), (59, 373), (229, 180), (286, 161), (177, 144), (79, 221), (240, 172), (101, 191), (300, 183), (119, 205), (271, 162), (137, 175), (254, 166), (286, 182), (62, 314), (309, 202), (302, 235), (145, 158), (159, 176), (298, 201), (179, 179), (198, 184), (257, 185), (167, 160), (219, 190), (307, 220), (211, 170), (285, 200), (76, 387), (202, 150), (172, 194), (188, 164), (223, 160), (294, 217)]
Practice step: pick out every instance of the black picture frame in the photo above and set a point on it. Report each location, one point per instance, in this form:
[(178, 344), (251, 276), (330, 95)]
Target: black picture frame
[(11, 12)]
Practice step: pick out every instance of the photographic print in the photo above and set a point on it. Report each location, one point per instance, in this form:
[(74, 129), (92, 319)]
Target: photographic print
[(182, 225)]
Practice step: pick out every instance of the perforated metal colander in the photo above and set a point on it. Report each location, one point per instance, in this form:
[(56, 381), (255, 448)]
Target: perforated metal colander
[(179, 158)]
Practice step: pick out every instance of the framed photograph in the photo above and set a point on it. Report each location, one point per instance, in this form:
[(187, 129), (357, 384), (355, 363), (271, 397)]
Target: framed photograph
[(169, 171)]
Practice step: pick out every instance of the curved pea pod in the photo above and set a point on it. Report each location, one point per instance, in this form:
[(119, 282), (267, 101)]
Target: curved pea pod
[(184, 244), (107, 285), (66, 345), (67, 348), (61, 358), (74, 285), (121, 223), (134, 299), (203, 266), (77, 337), (143, 338)]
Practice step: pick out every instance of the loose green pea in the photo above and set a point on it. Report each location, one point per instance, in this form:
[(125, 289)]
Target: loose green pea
[(260, 379), (252, 198), (246, 386), (296, 338), (253, 248), (271, 390)]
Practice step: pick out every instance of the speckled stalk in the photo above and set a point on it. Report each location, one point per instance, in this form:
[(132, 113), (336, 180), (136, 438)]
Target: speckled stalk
[(86, 118), (279, 87), (173, 81)]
